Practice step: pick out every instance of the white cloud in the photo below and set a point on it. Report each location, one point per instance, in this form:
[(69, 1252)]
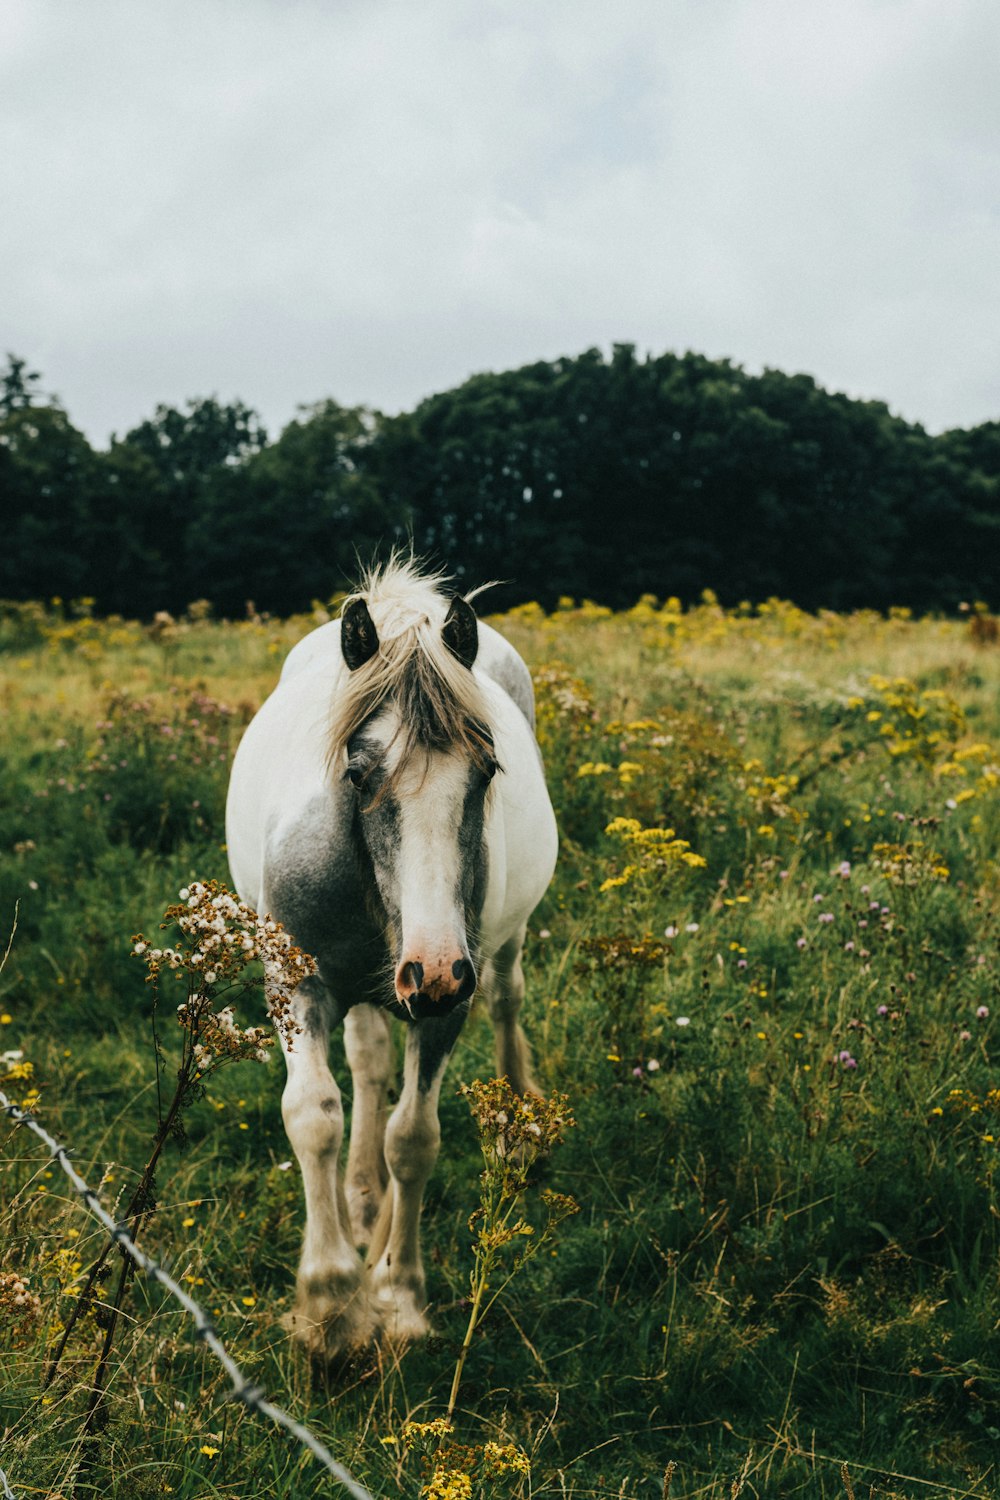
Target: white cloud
[(285, 200)]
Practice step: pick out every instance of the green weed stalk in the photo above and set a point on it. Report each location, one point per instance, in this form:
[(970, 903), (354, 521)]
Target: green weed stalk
[(513, 1131)]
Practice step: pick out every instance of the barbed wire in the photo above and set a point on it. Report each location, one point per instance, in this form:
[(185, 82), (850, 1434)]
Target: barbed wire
[(251, 1396)]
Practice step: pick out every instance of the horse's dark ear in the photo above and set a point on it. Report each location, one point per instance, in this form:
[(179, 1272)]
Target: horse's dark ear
[(461, 631), (358, 636)]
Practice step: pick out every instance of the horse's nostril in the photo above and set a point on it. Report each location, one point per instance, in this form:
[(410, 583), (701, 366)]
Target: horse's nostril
[(412, 975), (465, 972)]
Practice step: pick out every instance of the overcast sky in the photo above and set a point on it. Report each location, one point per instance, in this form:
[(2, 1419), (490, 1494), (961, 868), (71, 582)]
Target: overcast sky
[(282, 200)]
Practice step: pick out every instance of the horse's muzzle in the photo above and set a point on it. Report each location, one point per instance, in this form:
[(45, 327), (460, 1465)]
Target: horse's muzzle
[(434, 992)]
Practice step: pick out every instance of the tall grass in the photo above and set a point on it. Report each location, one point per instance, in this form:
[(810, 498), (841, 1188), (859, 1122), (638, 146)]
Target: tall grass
[(781, 1063)]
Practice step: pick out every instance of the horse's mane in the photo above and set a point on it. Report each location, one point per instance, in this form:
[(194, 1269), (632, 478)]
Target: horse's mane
[(441, 705)]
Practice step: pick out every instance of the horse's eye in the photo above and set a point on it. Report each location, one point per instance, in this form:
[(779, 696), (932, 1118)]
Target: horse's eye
[(490, 769), (356, 775)]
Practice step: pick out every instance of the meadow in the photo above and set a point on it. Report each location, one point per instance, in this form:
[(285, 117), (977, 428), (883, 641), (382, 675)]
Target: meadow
[(765, 976)]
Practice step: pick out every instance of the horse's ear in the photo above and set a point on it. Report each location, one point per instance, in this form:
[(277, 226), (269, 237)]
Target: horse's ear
[(358, 636), (461, 631)]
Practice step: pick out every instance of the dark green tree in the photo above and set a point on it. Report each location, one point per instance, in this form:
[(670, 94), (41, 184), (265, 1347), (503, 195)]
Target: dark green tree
[(135, 552), (17, 386), (602, 476), (47, 477), (611, 477), (290, 524)]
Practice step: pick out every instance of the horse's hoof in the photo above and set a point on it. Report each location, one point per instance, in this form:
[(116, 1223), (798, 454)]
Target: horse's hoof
[(330, 1330), (348, 1367), (403, 1320)]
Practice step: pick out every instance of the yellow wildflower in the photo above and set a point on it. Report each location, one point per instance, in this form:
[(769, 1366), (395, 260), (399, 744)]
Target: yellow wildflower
[(593, 768), (448, 1484), (506, 1457)]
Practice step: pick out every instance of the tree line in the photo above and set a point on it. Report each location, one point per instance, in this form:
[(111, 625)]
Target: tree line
[(597, 476)]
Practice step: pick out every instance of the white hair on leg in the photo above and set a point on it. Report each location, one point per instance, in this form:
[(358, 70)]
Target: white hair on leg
[(412, 1138), (332, 1312), (368, 1043)]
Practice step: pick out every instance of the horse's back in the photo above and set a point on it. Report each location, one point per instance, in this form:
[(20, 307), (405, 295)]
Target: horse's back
[(499, 660)]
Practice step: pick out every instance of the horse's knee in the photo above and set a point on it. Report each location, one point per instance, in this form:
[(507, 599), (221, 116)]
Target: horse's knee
[(506, 1007), (411, 1145), (314, 1118), (507, 997)]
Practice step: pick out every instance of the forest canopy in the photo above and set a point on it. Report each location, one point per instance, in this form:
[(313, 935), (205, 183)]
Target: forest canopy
[(597, 476)]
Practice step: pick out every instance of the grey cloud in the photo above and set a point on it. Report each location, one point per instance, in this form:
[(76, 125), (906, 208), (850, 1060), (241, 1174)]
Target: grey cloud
[(289, 200)]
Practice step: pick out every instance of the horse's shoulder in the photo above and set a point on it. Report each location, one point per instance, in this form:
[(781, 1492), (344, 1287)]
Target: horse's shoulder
[(312, 878)]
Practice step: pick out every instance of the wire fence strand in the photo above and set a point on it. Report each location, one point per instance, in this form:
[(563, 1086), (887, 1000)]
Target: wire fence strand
[(250, 1395)]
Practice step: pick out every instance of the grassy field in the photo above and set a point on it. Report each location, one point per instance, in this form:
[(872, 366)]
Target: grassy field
[(776, 1026)]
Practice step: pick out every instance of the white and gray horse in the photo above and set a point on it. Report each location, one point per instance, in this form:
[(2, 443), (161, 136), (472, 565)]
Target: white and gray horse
[(388, 805)]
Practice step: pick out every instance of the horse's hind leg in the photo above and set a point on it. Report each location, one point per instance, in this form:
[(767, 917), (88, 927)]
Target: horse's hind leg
[(368, 1042), (332, 1311), (504, 990)]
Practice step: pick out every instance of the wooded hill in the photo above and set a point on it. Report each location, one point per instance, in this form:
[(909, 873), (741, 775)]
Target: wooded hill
[(592, 476)]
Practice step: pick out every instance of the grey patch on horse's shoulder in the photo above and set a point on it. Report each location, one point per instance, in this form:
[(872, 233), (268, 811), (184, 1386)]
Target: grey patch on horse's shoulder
[(316, 888)]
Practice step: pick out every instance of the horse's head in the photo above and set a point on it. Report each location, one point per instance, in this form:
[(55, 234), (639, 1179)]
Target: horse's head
[(419, 766)]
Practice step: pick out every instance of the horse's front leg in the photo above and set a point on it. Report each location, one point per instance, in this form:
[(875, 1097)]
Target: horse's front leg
[(332, 1313), (368, 1043), (412, 1138)]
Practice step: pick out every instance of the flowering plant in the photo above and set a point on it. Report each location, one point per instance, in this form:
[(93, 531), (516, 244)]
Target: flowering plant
[(225, 937), (222, 937), (513, 1130)]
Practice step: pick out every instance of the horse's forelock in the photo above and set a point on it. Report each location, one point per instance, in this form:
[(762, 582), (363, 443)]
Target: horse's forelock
[(440, 704)]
